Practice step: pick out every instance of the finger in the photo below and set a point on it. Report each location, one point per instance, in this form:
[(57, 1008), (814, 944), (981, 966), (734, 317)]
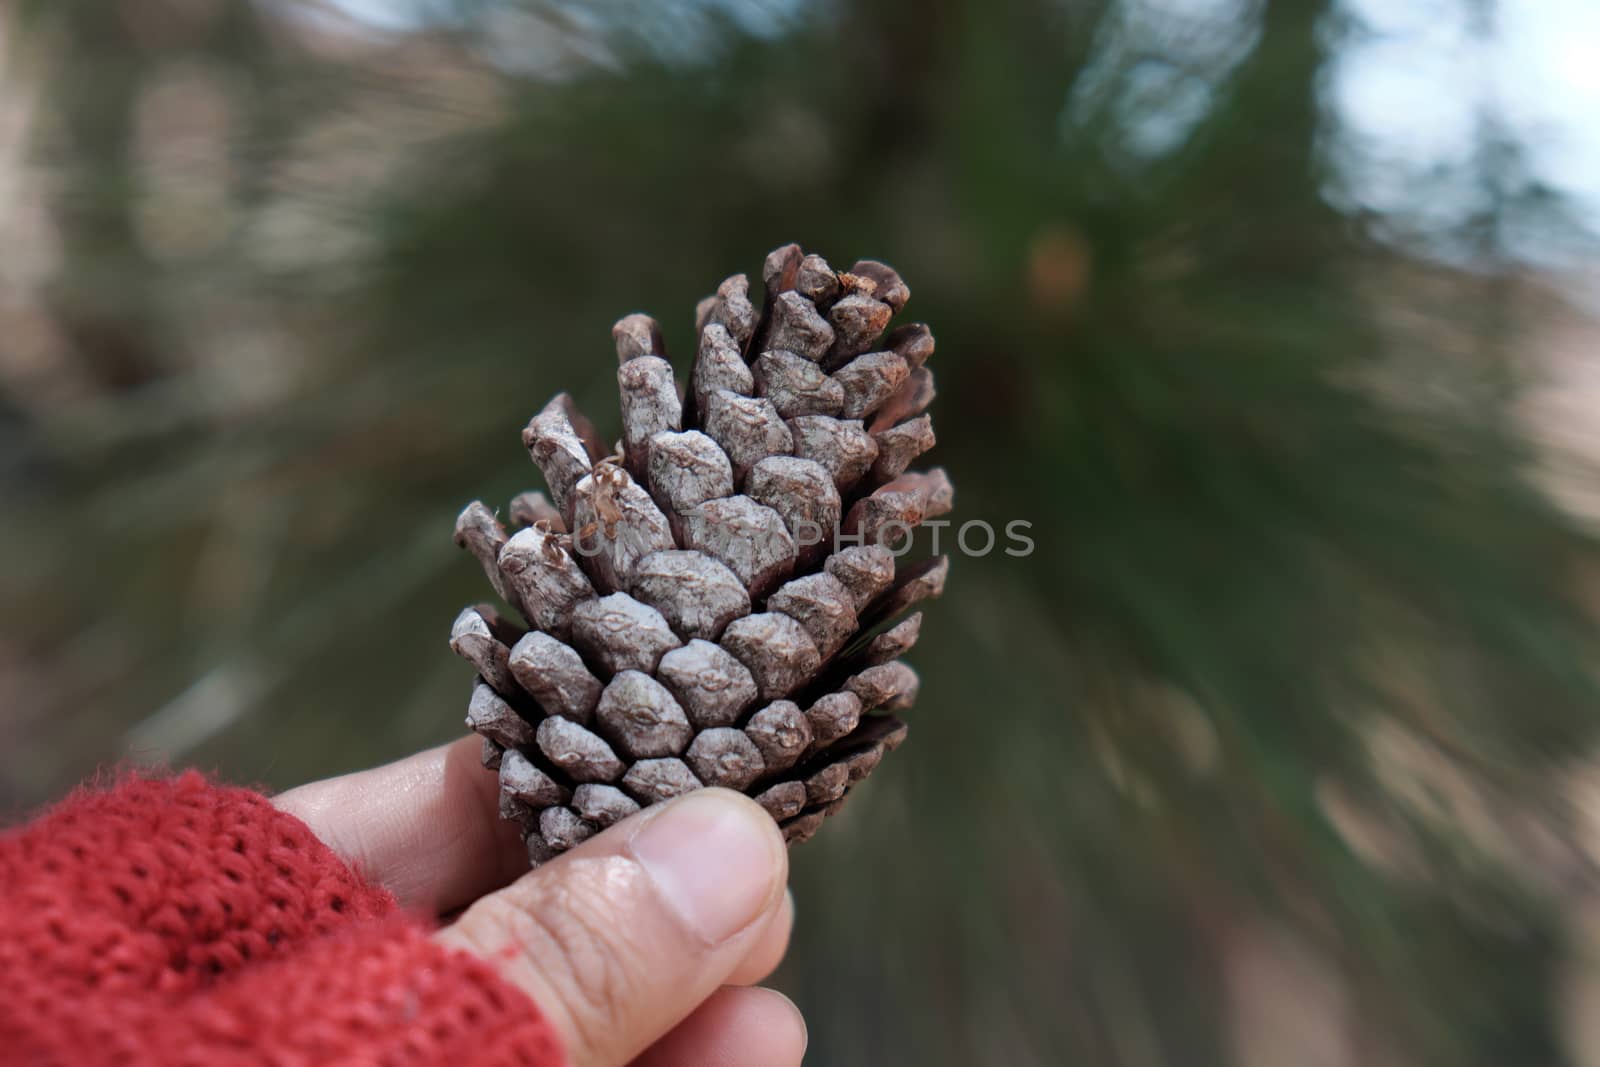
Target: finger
[(736, 1028), (426, 828), (769, 949), (624, 936)]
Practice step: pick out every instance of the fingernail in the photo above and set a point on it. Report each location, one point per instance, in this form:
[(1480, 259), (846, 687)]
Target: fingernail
[(713, 860)]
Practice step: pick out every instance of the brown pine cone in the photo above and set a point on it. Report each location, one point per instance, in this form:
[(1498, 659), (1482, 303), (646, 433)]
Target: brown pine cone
[(715, 601)]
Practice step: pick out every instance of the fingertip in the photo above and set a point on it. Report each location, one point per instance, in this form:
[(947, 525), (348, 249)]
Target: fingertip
[(717, 859), (733, 1028), (770, 947), (786, 1019)]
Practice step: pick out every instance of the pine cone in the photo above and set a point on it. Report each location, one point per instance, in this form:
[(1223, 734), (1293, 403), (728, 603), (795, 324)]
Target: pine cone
[(715, 602)]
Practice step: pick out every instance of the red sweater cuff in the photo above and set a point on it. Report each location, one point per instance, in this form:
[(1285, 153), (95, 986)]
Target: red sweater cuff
[(175, 921)]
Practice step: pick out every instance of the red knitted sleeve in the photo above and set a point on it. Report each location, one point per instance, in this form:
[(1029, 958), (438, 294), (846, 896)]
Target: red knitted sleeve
[(177, 922)]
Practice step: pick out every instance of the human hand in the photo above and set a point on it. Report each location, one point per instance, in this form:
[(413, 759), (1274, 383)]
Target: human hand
[(642, 945)]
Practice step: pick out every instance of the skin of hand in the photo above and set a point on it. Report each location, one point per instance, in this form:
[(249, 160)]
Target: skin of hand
[(642, 945)]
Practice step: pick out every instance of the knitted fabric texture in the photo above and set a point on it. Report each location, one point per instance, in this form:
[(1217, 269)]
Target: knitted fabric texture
[(173, 921)]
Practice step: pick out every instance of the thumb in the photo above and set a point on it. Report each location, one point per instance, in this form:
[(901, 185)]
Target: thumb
[(623, 937)]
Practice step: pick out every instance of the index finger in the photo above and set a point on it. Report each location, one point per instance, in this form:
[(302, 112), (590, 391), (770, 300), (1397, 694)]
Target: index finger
[(425, 827)]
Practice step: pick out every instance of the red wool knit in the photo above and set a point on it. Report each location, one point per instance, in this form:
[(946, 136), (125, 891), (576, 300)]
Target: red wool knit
[(178, 922)]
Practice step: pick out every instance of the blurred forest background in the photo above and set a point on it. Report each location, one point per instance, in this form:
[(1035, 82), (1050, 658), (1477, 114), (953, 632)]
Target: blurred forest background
[(1274, 317)]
